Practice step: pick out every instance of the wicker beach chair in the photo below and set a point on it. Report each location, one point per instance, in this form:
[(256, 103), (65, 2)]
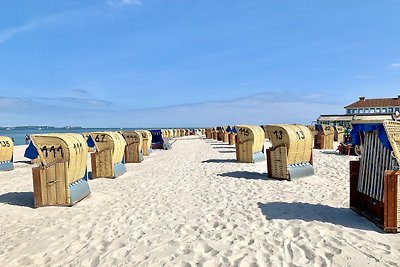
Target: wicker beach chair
[(375, 178), (108, 160), (291, 154), (6, 153), (61, 177), (133, 148), (147, 139), (339, 133), (249, 144), (232, 135), (324, 137)]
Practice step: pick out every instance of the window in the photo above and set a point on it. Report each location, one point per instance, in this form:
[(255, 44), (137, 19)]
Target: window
[(390, 110), (378, 110), (397, 109), (354, 111), (372, 110), (366, 110), (360, 110), (384, 110), (348, 111)]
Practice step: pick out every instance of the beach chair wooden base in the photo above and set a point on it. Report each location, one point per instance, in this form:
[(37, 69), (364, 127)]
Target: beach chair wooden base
[(103, 167), (386, 214), (49, 188), (278, 168), (132, 154)]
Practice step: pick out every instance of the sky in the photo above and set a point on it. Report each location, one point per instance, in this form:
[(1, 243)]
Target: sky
[(180, 63)]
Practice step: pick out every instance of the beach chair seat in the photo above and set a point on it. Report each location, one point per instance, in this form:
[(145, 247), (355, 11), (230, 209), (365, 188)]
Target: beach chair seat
[(61, 178), (375, 178), (249, 144), (290, 156), (108, 160), (6, 153)]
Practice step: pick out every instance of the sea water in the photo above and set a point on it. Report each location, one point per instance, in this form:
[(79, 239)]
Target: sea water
[(18, 135)]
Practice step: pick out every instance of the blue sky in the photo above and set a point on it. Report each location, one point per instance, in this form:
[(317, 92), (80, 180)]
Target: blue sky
[(153, 63)]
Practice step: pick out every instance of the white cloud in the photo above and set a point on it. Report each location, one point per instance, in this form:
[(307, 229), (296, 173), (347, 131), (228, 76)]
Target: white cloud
[(395, 66), (9, 33), (124, 2)]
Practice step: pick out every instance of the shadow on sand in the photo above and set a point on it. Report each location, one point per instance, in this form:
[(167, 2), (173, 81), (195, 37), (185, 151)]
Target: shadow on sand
[(226, 151), (220, 161), (245, 175), (332, 153), (24, 199), (315, 212)]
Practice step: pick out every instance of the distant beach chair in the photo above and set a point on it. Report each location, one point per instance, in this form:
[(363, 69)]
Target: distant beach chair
[(170, 133), (61, 178), (324, 137), (314, 131), (6, 153), (339, 134), (133, 148), (208, 133), (108, 160), (290, 156), (223, 135), (249, 144), (214, 133), (147, 140), (232, 135), (176, 133), (375, 178), (264, 127), (160, 140)]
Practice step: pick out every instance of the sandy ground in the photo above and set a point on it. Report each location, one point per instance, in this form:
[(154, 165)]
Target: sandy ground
[(194, 206)]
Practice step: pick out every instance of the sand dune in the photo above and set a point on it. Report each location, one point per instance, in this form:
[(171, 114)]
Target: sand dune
[(194, 205)]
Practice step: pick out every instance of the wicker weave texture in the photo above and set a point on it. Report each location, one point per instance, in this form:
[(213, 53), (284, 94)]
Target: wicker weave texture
[(296, 138), (147, 138), (250, 140), (112, 141), (63, 148), (6, 148)]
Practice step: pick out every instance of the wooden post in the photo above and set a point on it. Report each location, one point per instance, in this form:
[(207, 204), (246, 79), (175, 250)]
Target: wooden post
[(390, 201)]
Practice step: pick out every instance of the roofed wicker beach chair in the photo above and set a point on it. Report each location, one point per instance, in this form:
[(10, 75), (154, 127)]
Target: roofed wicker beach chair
[(61, 178), (160, 140), (249, 144), (324, 137), (6, 153), (108, 160), (291, 154), (214, 133), (208, 132), (223, 135), (375, 178), (147, 140), (232, 135), (133, 148), (339, 133), (176, 133)]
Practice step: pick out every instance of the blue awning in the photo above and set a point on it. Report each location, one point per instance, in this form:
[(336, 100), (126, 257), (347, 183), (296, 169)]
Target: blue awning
[(359, 129)]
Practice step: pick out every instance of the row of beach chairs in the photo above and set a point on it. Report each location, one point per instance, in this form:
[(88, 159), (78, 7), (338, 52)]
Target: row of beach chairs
[(60, 173), (374, 178)]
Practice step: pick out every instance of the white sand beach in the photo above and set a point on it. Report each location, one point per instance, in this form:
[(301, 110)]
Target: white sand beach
[(194, 205)]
